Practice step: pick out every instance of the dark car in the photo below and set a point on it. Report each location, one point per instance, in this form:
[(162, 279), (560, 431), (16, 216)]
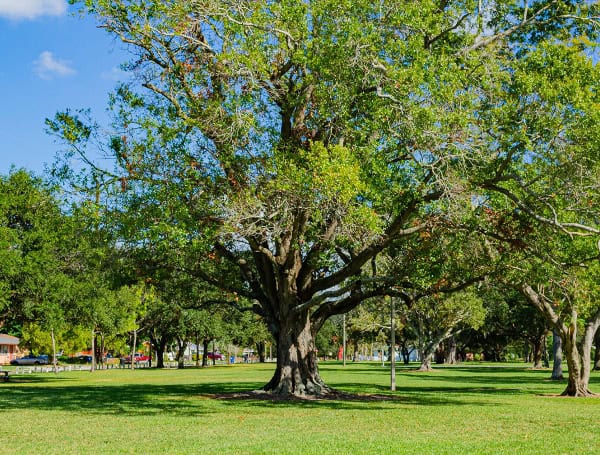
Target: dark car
[(31, 360)]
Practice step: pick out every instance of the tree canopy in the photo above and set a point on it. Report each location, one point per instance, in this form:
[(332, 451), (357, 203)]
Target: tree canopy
[(288, 144)]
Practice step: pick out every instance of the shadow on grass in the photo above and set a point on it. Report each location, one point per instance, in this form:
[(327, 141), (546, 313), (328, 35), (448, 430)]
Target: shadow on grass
[(196, 399), (458, 386), (350, 401), (124, 399), (467, 379)]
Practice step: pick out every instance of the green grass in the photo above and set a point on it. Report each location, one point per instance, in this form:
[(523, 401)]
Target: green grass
[(472, 408)]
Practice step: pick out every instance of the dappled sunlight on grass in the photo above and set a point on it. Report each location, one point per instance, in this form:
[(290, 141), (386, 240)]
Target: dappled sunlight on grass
[(473, 408)]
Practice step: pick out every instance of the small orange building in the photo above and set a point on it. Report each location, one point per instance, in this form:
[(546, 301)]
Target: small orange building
[(9, 348)]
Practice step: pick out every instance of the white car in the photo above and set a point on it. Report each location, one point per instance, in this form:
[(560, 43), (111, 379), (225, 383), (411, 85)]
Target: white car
[(31, 360)]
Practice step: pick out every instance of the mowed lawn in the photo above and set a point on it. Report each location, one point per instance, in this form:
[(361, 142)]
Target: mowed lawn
[(471, 408)]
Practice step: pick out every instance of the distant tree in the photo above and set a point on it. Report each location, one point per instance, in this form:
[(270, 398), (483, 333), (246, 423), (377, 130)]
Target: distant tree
[(557, 369), (35, 248), (435, 319), (571, 307)]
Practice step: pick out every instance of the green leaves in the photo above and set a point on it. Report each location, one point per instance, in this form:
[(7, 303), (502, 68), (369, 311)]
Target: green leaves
[(276, 148)]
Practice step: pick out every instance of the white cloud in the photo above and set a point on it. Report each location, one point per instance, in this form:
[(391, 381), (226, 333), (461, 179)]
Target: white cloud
[(47, 66), (114, 74), (31, 9)]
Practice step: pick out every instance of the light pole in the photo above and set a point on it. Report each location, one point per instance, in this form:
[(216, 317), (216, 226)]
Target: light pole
[(344, 338), (392, 348)]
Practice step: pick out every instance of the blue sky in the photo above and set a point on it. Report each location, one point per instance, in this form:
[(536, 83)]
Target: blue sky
[(52, 59)]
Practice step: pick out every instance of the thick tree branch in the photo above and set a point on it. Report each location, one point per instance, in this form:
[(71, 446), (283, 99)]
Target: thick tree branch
[(394, 231)]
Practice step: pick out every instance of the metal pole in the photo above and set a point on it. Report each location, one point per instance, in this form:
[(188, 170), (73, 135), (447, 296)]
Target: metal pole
[(55, 365), (393, 348), (93, 367), (344, 339)]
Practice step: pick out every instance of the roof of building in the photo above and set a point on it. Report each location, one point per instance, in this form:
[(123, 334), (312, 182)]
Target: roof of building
[(8, 339)]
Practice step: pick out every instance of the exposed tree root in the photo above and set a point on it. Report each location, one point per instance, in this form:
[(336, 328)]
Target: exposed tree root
[(332, 395), (586, 393)]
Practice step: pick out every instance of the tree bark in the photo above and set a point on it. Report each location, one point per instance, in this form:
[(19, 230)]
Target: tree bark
[(260, 348), (297, 371), (557, 355), (451, 352), (579, 368), (197, 351), (578, 361), (205, 352), (426, 358), (439, 355), (428, 349), (405, 355), (102, 349), (537, 352), (180, 353), (526, 353), (597, 355), (160, 352)]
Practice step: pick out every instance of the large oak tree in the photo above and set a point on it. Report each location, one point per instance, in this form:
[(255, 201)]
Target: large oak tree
[(297, 141)]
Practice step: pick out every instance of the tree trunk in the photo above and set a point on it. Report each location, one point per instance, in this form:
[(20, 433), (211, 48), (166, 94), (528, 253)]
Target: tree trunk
[(197, 351), (205, 352), (537, 352), (526, 356), (260, 348), (214, 357), (597, 355), (405, 355), (102, 349), (160, 352), (546, 360), (451, 352), (557, 373), (180, 353), (428, 349), (426, 357), (579, 363), (297, 371), (439, 355)]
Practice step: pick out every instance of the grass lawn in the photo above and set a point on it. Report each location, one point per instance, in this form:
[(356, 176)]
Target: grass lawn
[(472, 408)]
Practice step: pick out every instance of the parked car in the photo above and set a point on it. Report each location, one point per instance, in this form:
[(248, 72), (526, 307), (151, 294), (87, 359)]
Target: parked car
[(215, 356), (138, 358), (31, 360)]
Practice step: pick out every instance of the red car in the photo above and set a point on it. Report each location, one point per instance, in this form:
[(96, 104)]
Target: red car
[(215, 356), (138, 358)]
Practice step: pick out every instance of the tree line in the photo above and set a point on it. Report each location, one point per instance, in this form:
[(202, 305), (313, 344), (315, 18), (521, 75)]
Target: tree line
[(298, 159)]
